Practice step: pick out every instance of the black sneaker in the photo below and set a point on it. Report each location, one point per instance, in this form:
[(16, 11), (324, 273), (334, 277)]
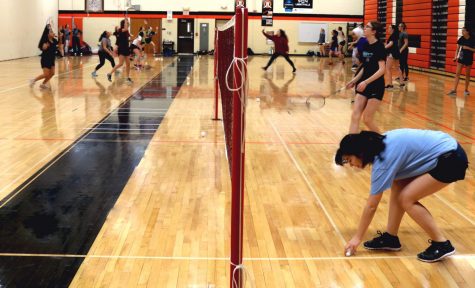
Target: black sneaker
[(384, 241), (109, 77), (406, 79), (436, 251)]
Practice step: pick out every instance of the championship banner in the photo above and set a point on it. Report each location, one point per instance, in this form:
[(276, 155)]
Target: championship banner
[(267, 12), (305, 4), (240, 3)]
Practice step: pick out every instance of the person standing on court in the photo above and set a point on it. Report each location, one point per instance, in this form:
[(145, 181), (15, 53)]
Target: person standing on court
[(321, 42), (105, 52), (414, 164), (76, 40), (48, 45), (369, 80), (333, 47), (67, 35), (464, 59), (123, 51), (341, 44), (393, 54), (281, 48), (403, 44)]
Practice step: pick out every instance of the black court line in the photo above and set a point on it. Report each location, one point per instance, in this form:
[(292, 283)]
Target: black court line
[(61, 209)]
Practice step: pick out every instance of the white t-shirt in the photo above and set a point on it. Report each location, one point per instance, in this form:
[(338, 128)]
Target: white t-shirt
[(340, 36), (137, 41)]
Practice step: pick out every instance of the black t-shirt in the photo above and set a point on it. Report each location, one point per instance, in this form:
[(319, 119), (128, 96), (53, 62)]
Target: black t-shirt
[(371, 55), (466, 55), (49, 53), (123, 39), (334, 42), (395, 48)]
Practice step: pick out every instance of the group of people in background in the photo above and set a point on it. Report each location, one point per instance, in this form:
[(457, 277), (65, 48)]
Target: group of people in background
[(50, 45)]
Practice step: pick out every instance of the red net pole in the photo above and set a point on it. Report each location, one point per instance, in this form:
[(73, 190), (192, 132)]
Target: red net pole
[(237, 174), (216, 84)]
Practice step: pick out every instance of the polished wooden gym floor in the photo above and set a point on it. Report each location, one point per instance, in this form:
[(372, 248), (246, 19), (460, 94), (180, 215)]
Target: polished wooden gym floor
[(169, 225)]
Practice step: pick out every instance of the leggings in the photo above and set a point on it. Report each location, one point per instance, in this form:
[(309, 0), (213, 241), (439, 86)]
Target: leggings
[(403, 62), (102, 59), (76, 46), (275, 55)]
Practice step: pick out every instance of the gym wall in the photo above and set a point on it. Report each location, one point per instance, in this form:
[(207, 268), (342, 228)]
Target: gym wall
[(335, 13), (434, 27), (23, 23)]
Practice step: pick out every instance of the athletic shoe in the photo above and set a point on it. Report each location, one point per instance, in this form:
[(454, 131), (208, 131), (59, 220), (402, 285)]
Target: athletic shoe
[(44, 86), (406, 79), (436, 251), (397, 79), (129, 81), (389, 87), (94, 74), (402, 84), (354, 69), (384, 241), (109, 77), (466, 93), (32, 83), (452, 93)]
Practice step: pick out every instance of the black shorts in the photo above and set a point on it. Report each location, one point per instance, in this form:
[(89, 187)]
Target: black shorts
[(394, 54), (374, 90), (465, 62), (451, 166), (47, 63), (342, 43), (123, 51), (148, 40)]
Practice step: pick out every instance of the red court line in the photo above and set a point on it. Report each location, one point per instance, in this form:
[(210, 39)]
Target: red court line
[(431, 121)]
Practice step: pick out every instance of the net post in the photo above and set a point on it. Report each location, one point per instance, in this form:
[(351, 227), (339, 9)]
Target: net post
[(237, 171), (216, 85)]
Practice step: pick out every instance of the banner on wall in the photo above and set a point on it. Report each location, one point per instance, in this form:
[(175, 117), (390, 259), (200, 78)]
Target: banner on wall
[(296, 5), (267, 13)]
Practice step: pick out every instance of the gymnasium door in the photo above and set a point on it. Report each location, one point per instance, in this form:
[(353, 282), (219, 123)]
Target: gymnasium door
[(204, 36), (185, 36)]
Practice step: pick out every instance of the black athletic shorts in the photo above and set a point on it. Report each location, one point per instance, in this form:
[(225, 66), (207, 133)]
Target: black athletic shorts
[(342, 43), (394, 54), (47, 62), (465, 62), (451, 166), (374, 90), (124, 51)]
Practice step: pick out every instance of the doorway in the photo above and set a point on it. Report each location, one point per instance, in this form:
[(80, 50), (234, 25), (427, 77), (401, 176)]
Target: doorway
[(186, 36)]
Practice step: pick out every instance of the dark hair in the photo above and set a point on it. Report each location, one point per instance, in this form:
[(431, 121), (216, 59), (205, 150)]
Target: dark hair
[(122, 24), (366, 145), (340, 28), (104, 34), (468, 30), (395, 31), (44, 36), (282, 34), (334, 32), (378, 27)]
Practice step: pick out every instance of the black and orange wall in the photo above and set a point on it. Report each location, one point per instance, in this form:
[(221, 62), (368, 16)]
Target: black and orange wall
[(433, 27)]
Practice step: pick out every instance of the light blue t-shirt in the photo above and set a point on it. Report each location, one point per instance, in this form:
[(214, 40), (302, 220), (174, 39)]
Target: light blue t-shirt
[(408, 153)]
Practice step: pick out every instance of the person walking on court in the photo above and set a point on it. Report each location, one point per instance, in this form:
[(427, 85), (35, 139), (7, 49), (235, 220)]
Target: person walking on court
[(414, 164), (48, 45), (123, 51), (393, 54), (369, 80), (105, 52), (464, 59), (281, 43), (403, 45)]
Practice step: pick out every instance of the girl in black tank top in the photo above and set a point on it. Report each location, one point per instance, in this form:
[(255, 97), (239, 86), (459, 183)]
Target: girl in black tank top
[(123, 50)]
